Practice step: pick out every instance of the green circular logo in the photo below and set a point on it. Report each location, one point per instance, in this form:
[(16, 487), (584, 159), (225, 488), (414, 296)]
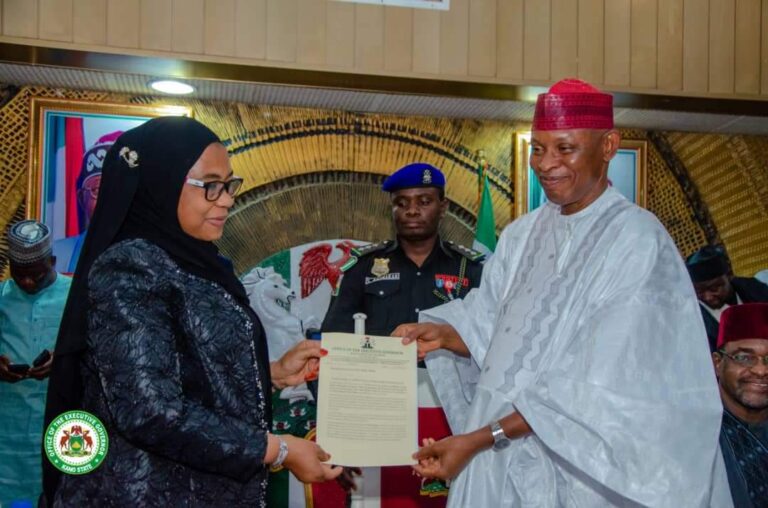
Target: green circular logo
[(76, 442)]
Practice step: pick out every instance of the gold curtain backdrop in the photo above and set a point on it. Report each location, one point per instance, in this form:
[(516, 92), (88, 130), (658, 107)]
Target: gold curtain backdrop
[(312, 174)]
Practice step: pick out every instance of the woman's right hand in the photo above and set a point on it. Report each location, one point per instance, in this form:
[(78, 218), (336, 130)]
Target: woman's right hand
[(305, 460)]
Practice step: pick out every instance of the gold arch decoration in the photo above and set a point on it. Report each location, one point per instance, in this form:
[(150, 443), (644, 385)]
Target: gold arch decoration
[(272, 143), (731, 176)]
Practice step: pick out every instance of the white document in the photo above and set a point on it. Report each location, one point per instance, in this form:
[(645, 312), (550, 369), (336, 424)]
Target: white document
[(366, 410)]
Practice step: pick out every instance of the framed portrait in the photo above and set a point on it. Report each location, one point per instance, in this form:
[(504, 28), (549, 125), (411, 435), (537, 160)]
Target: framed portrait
[(68, 142), (627, 173)]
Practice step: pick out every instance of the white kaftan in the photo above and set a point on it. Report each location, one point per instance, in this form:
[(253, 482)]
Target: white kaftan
[(589, 327)]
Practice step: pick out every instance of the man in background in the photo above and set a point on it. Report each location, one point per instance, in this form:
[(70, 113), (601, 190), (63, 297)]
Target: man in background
[(717, 288), (741, 363), (31, 306), (67, 250), (391, 282)]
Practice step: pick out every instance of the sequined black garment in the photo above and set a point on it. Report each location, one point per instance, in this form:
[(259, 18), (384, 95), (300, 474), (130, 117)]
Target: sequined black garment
[(171, 371)]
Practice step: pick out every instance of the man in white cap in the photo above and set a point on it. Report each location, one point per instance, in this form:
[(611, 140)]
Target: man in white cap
[(577, 374), (31, 306)]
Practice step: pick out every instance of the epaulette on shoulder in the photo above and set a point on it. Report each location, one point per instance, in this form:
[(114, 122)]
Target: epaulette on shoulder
[(370, 248), (471, 254)]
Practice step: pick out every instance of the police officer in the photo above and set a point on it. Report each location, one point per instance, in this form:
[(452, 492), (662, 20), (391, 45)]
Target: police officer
[(393, 280)]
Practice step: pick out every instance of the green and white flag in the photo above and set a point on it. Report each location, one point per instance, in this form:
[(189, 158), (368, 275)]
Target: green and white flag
[(485, 233)]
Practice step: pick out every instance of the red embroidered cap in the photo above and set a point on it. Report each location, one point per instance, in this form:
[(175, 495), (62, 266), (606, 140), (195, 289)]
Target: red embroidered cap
[(745, 321), (573, 104)]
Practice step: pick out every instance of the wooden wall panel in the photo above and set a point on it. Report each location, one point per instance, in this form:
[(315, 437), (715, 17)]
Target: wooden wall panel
[(156, 25), (695, 46), (187, 35), (509, 40), (281, 30), (219, 27), (20, 18), (340, 30), (565, 39), (89, 21), (670, 45), (398, 39), (747, 47), (764, 49), (311, 35), (644, 21), (454, 39), (123, 18), (426, 41), (592, 41), (721, 45), (55, 20), (369, 37), (482, 38), (251, 28), (617, 42), (536, 39)]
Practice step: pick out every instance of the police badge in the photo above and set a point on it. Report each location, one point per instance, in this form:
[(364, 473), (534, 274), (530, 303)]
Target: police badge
[(380, 267)]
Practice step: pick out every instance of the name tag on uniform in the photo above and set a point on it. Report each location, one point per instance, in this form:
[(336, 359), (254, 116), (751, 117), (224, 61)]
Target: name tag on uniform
[(389, 276)]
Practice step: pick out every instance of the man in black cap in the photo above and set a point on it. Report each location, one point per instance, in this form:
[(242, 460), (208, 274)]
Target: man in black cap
[(392, 281), (717, 288)]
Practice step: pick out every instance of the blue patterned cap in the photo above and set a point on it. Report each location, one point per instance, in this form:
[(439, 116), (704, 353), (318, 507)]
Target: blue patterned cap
[(418, 174), (29, 242)]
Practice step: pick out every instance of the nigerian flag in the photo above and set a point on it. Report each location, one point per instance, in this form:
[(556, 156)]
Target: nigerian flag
[(485, 233)]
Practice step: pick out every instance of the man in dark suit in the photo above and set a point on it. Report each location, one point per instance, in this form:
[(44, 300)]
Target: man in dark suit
[(717, 288)]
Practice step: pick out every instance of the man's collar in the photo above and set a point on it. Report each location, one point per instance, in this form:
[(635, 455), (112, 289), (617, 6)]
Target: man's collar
[(439, 242), (608, 196)]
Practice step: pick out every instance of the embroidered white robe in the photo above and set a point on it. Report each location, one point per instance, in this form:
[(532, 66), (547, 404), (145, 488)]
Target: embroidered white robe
[(588, 326)]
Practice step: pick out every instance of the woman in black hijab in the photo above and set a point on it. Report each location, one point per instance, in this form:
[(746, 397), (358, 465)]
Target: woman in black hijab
[(159, 341)]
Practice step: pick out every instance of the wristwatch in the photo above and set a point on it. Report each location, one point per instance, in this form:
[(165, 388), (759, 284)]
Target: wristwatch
[(500, 440)]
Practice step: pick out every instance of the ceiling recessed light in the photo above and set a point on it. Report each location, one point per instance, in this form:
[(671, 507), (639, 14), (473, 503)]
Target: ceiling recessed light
[(172, 87)]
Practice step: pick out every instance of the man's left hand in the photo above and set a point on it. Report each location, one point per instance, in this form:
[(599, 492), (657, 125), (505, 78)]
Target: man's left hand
[(446, 458), (42, 371)]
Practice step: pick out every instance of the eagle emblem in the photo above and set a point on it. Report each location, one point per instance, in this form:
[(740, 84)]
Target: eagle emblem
[(315, 267)]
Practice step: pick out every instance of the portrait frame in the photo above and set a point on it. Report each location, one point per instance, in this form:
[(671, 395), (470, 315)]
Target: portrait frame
[(629, 166), (43, 199)]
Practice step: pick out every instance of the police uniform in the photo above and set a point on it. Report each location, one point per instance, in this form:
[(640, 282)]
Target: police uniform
[(391, 290), (381, 281)]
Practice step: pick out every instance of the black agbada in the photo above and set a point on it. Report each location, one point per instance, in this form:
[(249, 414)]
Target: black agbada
[(137, 260)]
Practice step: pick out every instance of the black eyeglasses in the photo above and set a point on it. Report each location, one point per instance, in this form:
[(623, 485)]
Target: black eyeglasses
[(214, 188), (746, 359)]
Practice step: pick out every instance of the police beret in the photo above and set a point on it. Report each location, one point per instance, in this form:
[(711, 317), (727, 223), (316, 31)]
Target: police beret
[(418, 174)]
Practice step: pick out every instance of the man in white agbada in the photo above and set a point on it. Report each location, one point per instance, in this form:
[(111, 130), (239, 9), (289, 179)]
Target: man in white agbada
[(578, 373)]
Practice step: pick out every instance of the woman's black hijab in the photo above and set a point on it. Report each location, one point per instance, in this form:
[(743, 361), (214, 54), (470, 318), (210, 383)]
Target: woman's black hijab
[(141, 182)]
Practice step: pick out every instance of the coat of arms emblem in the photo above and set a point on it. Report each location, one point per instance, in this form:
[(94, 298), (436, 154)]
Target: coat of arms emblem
[(76, 442)]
